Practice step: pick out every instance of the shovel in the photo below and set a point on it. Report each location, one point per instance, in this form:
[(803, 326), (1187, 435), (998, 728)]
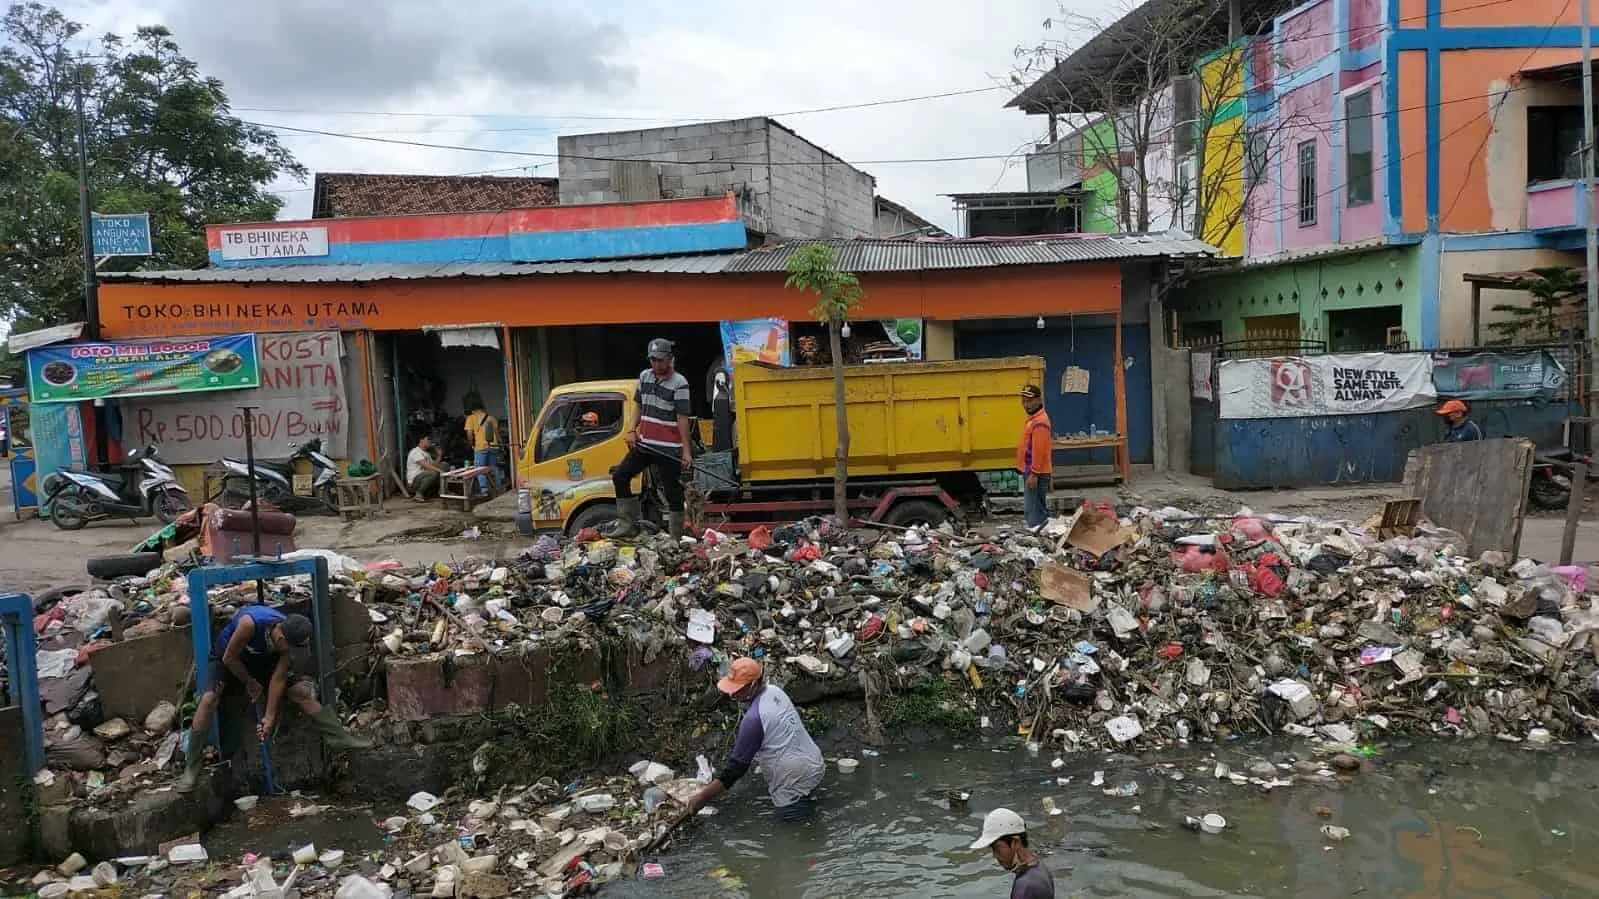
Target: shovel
[(266, 755)]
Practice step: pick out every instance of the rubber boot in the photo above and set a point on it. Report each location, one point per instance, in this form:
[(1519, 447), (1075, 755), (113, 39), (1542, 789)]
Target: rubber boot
[(334, 735), (674, 525), (193, 761), (628, 512)]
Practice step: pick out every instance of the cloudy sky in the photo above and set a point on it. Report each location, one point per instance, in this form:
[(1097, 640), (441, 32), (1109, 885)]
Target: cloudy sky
[(512, 74)]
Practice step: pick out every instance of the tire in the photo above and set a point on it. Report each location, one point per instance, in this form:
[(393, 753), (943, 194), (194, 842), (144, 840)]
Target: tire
[(109, 568), (328, 496), (68, 510), (169, 504), (1549, 495), (913, 512), (595, 516)]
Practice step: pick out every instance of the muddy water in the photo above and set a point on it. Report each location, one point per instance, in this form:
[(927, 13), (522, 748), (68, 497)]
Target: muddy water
[(1484, 820)]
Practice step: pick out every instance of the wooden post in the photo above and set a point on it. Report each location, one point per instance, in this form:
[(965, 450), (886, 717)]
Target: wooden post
[(1579, 484), (1476, 313)]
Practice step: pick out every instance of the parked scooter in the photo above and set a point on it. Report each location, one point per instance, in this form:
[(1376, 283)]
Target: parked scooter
[(274, 481), (141, 486), (1552, 475)]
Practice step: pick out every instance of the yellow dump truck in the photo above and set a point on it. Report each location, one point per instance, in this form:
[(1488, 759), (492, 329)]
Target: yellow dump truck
[(920, 434)]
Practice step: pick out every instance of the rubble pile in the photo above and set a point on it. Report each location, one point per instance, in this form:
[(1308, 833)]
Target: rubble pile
[(543, 839)]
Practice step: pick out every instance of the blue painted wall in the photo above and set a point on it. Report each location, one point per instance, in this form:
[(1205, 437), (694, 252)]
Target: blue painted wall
[(1268, 453), (1093, 348)]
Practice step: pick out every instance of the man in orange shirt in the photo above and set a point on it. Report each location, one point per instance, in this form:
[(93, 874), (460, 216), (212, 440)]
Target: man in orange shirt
[(1034, 459)]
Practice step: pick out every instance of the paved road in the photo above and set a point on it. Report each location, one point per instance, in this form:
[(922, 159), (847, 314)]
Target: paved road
[(35, 555)]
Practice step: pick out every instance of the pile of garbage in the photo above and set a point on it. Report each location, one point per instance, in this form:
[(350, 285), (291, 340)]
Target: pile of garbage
[(545, 839), (1102, 630)]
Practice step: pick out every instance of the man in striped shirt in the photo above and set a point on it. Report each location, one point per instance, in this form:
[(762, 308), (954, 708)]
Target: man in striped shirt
[(659, 440)]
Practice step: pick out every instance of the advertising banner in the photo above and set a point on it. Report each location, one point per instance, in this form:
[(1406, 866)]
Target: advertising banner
[(1199, 376), (757, 340), (1346, 384), (301, 398), (905, 333), (69, 373), (1482, 376)]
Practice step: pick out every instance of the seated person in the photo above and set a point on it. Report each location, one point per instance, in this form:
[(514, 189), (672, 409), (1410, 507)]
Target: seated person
[(422, 470)]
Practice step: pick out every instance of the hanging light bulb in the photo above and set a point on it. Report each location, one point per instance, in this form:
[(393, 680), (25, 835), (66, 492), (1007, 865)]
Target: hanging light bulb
[(1040, 323), (844, 331)]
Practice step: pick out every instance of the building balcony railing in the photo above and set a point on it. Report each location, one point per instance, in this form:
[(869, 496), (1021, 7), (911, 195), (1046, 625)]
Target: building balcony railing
[(1558, 206)]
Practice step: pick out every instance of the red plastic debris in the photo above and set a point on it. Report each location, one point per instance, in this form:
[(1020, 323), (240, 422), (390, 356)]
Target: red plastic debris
[(1171, 650), (761, 538)]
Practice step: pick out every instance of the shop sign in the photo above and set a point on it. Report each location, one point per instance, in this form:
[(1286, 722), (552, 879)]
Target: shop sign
[(301, 398), (762, 340), (264, 244), (121, 235), (1349, 384), (86, 371), (1482, 376)]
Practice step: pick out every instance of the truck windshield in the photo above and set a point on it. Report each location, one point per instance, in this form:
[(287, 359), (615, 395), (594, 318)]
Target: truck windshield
[(576, 423)]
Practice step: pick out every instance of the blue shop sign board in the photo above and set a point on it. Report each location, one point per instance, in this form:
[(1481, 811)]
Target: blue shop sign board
[(122, 235)]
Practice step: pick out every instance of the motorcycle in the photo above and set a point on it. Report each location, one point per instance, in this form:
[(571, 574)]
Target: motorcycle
[(141, 486), (274, 481), (1552, 475)]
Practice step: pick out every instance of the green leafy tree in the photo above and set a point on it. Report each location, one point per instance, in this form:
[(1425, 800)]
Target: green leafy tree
[(814, 268), (1555, 293), (160, 139)]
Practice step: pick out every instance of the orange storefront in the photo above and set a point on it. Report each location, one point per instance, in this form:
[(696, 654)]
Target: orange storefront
[(535, 309)]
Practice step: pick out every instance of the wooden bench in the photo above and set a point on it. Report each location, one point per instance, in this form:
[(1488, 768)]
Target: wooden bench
[(359, 497), (459, 487)]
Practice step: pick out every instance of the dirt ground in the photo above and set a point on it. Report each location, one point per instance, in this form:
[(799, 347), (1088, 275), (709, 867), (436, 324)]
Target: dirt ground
[(35, 555)]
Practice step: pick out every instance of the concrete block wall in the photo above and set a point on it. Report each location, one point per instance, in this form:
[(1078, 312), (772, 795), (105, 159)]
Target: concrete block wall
[(815, 194), (821, 196)]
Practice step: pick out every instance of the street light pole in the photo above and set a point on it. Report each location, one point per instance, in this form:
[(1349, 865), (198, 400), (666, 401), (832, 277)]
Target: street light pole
[(91, 286), (1591, 272)]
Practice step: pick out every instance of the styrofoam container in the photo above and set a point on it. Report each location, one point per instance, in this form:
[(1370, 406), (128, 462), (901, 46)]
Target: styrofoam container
[(331, 858), (848, 765), (1213, 823), (246, 803), (305, 855)]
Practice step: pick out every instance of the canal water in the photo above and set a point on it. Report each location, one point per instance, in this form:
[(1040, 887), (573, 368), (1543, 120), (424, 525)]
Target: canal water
[(1428, 820)]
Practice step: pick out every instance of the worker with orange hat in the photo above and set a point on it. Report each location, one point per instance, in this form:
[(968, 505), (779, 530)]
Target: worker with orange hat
[(1461, 427), (772, 735)]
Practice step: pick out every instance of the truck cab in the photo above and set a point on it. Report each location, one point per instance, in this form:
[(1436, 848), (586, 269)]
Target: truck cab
[(566, 464)]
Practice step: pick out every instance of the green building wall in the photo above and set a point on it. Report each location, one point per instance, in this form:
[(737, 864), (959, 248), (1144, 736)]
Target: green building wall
[(1220, 305)]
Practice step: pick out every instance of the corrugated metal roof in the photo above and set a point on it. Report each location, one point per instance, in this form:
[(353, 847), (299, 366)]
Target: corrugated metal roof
[(857, 255), (922, 255)]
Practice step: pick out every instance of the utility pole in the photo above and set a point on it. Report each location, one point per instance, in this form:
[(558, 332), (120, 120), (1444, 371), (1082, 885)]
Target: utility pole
[(91, 285), (1591, 272)]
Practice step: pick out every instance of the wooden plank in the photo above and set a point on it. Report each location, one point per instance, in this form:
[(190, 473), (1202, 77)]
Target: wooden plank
[(1478, 489)]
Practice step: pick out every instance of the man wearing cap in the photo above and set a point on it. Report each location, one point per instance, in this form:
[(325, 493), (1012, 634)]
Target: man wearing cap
[(1005, 834), (252, 653), (1034, 457), (772, 735), (1461, 427), (659, 440)]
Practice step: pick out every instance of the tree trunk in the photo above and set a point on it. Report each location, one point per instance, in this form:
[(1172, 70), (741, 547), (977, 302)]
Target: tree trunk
[(841, 420)]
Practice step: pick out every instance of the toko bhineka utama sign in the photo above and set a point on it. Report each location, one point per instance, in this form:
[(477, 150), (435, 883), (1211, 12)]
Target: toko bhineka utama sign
[(1343, 384), (87, 371)]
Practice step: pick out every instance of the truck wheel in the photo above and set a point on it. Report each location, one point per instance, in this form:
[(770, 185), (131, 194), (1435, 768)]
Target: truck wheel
[(917, 512), (595, 516), (109, 568)]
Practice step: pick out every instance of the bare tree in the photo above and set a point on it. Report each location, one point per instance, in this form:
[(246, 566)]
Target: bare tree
[(1149, 96)]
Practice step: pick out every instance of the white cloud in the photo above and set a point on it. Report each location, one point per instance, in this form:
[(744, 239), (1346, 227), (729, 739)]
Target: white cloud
[(642, 58)]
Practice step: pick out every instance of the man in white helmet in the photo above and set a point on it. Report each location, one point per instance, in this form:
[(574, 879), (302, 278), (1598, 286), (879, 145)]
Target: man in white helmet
[(1005, 834)]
